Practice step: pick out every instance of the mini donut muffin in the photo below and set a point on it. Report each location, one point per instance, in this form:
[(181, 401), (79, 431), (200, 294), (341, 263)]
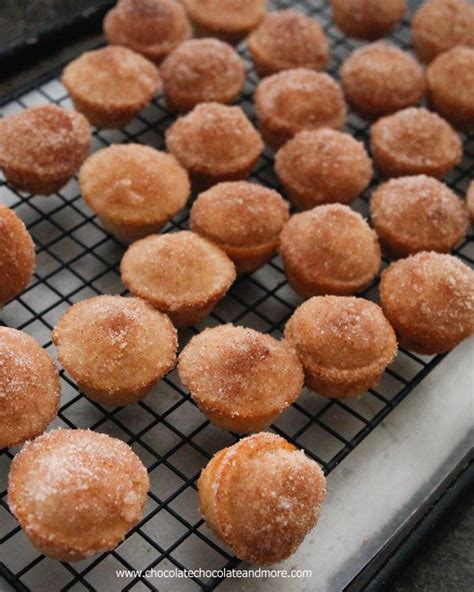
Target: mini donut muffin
[(367, 19), (134, 189), (429, 300), (323, 166), (439, 25), (111, 85), (76, 493), (261, 496), (41, 148), (181, 274), (29, 387), (415, 141), (379, 79), (257, 213), (470, 201), (230, 20), (202, 71), (17, 256), (150, 27), (413, 214), (344, 344), (287, 39), (215, 143), (329, 250), (242, 380), (115, 348), (295, 100), (451, 85)]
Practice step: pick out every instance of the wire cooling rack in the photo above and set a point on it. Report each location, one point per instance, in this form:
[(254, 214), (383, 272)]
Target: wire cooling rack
[(77, 259)]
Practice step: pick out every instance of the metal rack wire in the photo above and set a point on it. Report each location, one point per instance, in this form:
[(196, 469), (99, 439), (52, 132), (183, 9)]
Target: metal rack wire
[(77, 259)]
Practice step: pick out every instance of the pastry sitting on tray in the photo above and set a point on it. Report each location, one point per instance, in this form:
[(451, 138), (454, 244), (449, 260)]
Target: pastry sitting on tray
[(367, 19)]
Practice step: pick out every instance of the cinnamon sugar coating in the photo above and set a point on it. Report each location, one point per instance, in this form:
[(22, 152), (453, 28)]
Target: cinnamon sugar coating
[(344, 344), (419, 213), (115, 348), (76, 493), (261, 496), (152, 28), (180, 273), (243, 219), (295, 100), (367, 19), (215, 143), (41, 148), (29, 388), (323, 166), (202, 71), (240, 378), (429, 300), (230, 20), (288, 39), (451, 85), (111, 85), (379, 79), (439, 25), (415, 141), (134, 189), (17, 255), (329, 250), (470, 201)]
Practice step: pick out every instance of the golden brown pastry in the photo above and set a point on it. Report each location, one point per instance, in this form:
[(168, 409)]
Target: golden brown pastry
[(29, 388), (111, 85), (344, 344), (76, 493), (261, 496), (257, 213), (470, 201), (135, 190), (180, 274), (415, 141), (115, 348), (429, 300), (419, 213), (329, 250), (41, 148), (242, 380), (367, 19)]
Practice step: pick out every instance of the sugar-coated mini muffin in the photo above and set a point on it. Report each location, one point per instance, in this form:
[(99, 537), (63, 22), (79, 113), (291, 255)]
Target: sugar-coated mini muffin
[(295, 100), (215, 143), (181, 274), (29, 387), (111, 85), (257, 215), (329, 250), (451, 85), (261, 496), (17, 255), (134, 189), (115, 348), (76, 493), (470, 201), (323, 166), (379, 79), (242, 380), (419, 213), (202, 71), (429, 300), (367, 19), (230, 20), (288, 39), (41, 148), (439, 25), (344, 344), (415, 141), (150, 27)]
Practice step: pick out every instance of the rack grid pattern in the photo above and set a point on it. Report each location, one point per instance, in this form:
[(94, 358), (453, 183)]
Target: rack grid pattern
[(77, 259)]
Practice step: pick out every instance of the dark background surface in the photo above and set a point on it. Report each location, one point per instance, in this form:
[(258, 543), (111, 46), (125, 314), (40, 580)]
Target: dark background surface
[(445, 561)]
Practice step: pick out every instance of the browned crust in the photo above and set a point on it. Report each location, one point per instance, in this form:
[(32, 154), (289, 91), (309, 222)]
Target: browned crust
[(367, 19), (470, 201)]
